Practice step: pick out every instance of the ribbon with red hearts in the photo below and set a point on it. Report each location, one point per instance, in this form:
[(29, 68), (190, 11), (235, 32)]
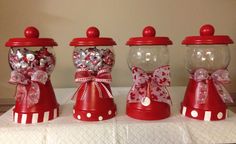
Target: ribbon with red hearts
[(219, 77), (152, 85), (86, 78), (28, 96)]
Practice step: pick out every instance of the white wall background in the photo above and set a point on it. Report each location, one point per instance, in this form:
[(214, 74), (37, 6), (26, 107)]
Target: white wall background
[(119, 19)]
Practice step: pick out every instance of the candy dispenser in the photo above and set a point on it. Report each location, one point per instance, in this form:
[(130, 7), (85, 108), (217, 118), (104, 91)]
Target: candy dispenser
[(148, 59), (93, 58), (32, 61), (207, 58)]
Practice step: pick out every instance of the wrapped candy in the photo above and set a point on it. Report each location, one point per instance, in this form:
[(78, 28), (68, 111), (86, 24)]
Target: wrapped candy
[(20, 59), (32, 61), (93, 58)]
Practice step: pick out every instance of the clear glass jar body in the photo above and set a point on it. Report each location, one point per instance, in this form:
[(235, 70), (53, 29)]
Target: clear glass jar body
[(93, 58), (30, 59), (209, 57), (148, 58)]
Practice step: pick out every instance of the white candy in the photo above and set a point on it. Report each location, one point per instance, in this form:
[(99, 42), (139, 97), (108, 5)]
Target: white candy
[(19, 54), (30, 57)]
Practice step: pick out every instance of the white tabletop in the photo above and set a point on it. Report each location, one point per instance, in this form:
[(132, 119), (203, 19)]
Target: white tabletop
[(119, 130)]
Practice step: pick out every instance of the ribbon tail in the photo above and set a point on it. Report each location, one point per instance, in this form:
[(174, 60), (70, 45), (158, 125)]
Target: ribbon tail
[(75, 94), (33, 94), (169, 101), (224, 94), (21, 93), (201, 92), (162, 95), (98, 88), (107, 91), (74, 97), (133, 96), (148, 91), (85, 92)]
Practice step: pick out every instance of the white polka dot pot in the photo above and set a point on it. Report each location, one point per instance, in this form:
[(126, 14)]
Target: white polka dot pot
[(212, 109), (94, 115), (205, 115)]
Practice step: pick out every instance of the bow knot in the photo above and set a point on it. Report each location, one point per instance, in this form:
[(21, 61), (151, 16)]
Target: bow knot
[(219, 77), (29, 96), (84, 76), (201, 75), (152, 85)]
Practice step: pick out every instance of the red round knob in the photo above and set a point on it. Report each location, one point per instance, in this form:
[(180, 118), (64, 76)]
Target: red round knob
[(92, 32), (31, 32), (207, 30), (149, 31)]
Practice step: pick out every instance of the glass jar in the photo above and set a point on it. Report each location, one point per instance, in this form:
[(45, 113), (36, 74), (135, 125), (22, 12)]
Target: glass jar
[(148, 59), (32, 61), (207, 59), (93, 58)]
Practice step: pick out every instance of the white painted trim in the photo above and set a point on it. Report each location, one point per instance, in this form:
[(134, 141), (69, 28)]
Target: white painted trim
[(23, 118), (46, 116), (184, 110), (35, 118), (16, 117), (207, 116), (55, 113)]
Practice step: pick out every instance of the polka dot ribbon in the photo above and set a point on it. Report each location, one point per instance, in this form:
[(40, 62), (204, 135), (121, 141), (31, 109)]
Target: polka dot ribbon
[(219, 77), (84, 76), (151, 85), (28, 96)]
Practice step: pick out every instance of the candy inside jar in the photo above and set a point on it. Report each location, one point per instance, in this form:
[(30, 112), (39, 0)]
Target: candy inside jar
[(93, 58), (30, 59)]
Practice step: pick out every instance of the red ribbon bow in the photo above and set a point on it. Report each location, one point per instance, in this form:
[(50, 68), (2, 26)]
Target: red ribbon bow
[(152, 85), (219, 77), (29, 96), (84, 76)]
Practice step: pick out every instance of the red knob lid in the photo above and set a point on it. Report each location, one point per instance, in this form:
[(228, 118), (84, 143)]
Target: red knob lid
[(93, 32), (149, 38), (31, 39), (92, 39), (207, 37), (31, 32)]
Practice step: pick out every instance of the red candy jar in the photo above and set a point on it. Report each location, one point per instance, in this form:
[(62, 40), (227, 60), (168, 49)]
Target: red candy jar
[(207, 59), (93, 58), (148, 59), (32, 61)]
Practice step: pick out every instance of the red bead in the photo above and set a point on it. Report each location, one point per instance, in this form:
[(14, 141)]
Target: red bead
[(149, 31), (31, 32), (207, 30), (92, 32)]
